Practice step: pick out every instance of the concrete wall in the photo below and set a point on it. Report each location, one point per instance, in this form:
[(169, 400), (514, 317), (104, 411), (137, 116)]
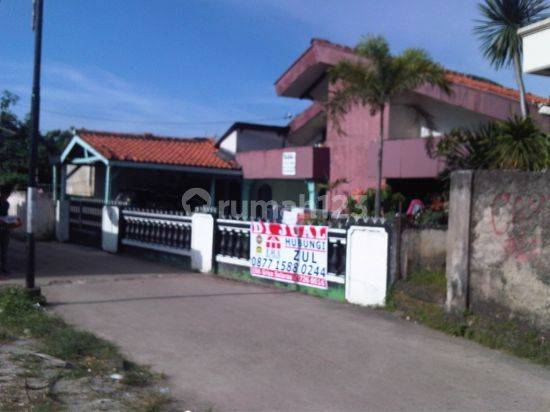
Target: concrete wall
[(405, 122), (510, 249), (45, 213), (229, 144), (536, 56), (81, 181), (423, 249), (507, 260), (282, 190), (86, 181), (247, 140)]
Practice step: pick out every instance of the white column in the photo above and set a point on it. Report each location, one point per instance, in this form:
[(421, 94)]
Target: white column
[(202, 242), (110, 218), (367, 265), (62, 220), (63, 188)]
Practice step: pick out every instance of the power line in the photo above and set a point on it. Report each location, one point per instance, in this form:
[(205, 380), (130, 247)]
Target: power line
[(106, 119)]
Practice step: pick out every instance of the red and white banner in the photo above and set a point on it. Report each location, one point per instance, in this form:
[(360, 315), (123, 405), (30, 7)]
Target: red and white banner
[(289, 253)]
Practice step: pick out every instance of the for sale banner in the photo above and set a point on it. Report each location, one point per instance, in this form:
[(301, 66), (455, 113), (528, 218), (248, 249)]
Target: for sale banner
[(289, 253)]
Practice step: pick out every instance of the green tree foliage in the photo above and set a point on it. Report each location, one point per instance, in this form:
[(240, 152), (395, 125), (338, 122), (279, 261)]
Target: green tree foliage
[(498, 32), (374, 79), (14, 146), (513, 144)]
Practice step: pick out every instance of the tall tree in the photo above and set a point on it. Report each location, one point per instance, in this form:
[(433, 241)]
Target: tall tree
[(14, 146), (498, 32), (374, 79)]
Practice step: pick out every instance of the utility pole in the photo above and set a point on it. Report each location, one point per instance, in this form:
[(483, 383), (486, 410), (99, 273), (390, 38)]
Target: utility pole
[(38, 8)]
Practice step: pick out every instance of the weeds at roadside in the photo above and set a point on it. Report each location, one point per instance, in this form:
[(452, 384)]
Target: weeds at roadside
[(420, 298), (137, 375), (86, 355)]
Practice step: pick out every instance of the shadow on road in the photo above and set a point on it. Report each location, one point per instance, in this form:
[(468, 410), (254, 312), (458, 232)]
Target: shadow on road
[(54, 259), (145, 298)]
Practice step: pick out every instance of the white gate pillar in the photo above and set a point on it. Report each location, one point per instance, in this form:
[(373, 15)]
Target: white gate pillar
[(367, 265), (62, 220), (110, 220), (202, 242)]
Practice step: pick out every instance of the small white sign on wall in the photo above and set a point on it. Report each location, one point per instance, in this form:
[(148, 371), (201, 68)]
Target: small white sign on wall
[(289, 163)]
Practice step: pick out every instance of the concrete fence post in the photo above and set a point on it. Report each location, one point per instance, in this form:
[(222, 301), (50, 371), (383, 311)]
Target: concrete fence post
[(367, 268), (62, 220), (110, 222), (458, 241), (202, 242)]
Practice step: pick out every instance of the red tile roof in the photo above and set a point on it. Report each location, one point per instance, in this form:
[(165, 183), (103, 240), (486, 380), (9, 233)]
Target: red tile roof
[(488, 86), (458, 78), (146, 148)]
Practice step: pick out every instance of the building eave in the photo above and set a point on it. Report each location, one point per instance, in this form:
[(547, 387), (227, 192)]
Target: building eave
[(281, 130)]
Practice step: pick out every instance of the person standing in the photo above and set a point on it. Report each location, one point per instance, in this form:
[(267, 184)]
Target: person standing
[(4, 231)]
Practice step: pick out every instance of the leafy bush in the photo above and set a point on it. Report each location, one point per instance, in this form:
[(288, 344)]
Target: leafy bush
[(513, 144), (362, 202)]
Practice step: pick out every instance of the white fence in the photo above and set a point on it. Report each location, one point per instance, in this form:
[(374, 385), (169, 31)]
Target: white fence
[(358, 255)]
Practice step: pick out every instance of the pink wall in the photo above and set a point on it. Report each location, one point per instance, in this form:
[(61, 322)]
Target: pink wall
[(487, 103), (350, 152), (353, 154), (405, 158), (311, 163)]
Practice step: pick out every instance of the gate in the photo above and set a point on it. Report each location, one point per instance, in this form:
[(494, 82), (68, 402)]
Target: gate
[(85, 217)]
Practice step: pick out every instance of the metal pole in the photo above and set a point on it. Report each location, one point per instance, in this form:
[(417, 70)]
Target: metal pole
[(33, 142)]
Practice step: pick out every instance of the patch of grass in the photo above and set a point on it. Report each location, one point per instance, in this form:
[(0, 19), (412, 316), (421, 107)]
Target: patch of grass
[(78, 346), (156, 402), (30, 363), (420, 298), (428, 286), (137, 375), (21, 314), (86, 354), (335, 291), (47, 405), (5, 337)]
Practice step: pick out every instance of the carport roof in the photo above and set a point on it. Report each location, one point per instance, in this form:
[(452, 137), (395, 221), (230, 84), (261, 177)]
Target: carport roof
[(147, 148)]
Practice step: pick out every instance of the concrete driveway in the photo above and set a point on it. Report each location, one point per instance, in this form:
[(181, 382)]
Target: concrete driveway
[(234, 346), (58, 262)]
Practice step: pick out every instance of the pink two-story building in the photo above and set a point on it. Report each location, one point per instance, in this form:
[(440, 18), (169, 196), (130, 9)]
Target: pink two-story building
[(284, 163)]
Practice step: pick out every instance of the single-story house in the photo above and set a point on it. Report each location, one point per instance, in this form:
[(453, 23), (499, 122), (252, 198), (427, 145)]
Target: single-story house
[(148, 170)]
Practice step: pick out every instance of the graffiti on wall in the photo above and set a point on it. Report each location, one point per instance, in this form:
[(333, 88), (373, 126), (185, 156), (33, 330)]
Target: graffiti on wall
[(519, 219)]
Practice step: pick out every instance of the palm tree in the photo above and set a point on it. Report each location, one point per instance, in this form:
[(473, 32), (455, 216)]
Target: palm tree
[(374, 79), (498, 32)]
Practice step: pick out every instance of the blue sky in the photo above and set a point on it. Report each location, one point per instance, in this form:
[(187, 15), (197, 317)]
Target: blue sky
[(192, 67)]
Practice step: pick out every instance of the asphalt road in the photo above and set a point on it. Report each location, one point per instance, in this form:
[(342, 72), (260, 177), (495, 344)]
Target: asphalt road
[(234, 346)]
